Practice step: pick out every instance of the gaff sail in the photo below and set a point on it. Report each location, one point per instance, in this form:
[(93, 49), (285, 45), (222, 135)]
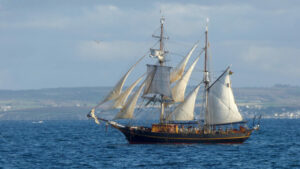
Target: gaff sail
[(221, 106)]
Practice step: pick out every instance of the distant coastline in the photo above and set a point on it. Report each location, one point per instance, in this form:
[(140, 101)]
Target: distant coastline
[(279, 101)]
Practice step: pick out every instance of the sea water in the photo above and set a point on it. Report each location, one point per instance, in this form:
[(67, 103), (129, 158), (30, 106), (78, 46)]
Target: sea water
[(83, 144)]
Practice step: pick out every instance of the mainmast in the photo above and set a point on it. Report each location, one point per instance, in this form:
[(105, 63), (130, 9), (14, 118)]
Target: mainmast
[(206, 72), (161, 62)]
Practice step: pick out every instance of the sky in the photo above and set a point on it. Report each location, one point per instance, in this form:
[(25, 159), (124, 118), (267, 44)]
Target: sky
[(74, 43)]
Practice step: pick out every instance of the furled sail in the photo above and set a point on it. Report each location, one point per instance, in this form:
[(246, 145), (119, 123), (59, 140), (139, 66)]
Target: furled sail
[(179, 89), (179, 69), (94, 116), (156, 53), (158, 81), (185, 110), (221, 106), (127, 111), (116, 91)]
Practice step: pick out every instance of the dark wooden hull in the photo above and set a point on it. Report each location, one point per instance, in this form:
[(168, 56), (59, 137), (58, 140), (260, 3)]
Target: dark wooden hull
[(139, 136)]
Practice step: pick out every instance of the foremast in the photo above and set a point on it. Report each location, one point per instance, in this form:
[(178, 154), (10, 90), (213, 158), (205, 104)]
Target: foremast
[(161, 40), (161, 58)]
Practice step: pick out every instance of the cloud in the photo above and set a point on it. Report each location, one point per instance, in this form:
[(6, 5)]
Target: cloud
[(184, 20), (104, 15), (56, 23), (102, 50), (190, 19), (281, 60), (258, 35), (11, 20)]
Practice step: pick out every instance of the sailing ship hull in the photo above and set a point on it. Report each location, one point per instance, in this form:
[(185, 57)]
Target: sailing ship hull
[(220, 106), (144, 136)]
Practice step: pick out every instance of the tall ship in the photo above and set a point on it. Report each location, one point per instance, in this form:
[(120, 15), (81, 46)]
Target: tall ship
[(163, 89)]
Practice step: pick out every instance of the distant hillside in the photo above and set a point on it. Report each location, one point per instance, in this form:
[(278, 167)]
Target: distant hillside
[(74, 103), (273, 96)]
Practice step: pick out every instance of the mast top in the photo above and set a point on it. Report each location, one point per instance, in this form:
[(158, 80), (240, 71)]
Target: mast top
[(206, 76), (162, 20), (160, 53), (207, 20)]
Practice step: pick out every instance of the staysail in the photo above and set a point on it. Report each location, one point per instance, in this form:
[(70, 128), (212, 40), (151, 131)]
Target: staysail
[(116, 91), (185, 110), (127, 111), (120, 101), (179, 69), (179, 89), (221, 106), (158, 81)]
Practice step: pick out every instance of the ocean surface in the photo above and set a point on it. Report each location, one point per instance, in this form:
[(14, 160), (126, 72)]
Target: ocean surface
[(83, 144)]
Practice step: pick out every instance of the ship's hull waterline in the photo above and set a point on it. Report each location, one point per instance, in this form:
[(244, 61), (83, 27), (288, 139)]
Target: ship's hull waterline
[(141, 136)]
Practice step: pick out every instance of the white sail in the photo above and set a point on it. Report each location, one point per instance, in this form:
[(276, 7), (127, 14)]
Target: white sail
[(115, 92), (179, 69), (158, 81), (120, 101), (179, 89), (222, 108), (185, 110), (127, 111)]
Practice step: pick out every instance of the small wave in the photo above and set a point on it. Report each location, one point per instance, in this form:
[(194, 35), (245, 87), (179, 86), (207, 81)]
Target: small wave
[(38, 122)]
